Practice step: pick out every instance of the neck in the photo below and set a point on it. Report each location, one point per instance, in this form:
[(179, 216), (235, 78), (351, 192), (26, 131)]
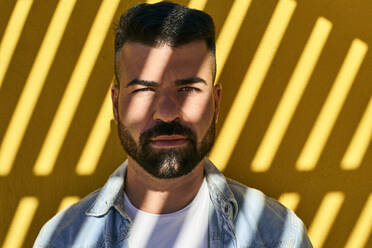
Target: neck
[(161, 196)]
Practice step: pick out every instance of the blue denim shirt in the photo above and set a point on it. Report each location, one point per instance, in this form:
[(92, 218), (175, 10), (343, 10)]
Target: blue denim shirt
[(239, 217)]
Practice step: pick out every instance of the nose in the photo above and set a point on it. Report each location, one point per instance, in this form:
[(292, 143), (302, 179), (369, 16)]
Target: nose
[(166, 108)]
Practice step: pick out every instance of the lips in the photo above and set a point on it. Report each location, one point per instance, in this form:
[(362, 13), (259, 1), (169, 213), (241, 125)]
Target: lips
[(169, 140)]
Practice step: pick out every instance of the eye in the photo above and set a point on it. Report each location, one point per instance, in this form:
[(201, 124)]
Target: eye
[(189, 89), (142, 90)]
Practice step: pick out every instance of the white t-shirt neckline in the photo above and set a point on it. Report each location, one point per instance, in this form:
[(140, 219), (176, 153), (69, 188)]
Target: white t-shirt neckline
[(187, 227), (131, 210)]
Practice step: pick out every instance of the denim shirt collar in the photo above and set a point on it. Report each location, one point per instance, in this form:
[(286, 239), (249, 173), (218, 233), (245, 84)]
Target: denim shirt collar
[(219, 191), (112, 193)]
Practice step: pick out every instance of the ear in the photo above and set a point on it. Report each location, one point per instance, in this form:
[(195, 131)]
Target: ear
[(115, 99), (217, 88)]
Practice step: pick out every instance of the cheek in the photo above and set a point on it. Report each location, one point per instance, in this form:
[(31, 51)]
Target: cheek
[(134, 112), (199, 112)]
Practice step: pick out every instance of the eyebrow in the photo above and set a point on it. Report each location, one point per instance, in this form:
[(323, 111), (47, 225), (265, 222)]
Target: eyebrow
[(185, 81), (142, 82), (191, 80)]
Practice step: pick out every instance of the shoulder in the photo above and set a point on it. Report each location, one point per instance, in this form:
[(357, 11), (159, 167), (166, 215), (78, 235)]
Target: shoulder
[(65, 226), (254, 199), (257, 203), (273, 224)]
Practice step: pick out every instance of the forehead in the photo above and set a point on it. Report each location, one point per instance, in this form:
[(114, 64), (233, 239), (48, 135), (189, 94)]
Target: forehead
[(137, 60)]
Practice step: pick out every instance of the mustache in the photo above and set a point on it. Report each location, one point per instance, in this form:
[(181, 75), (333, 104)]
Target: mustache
[(167, 128)]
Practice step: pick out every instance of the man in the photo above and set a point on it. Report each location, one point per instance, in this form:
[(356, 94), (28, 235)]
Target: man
[(168, 194)]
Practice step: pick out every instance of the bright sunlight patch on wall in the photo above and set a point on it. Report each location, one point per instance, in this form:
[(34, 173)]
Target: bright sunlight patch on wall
[(33, 86), (66, 110), (292, 96), (332, 107), (251, 84)]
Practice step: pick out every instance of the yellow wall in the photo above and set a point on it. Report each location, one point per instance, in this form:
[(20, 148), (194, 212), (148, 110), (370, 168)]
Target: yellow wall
[(296, 118)]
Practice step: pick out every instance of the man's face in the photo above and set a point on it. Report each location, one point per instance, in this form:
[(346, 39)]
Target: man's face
[(166, 106)]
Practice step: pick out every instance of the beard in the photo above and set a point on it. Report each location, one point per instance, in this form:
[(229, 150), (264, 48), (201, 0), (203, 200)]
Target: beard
[(167, 162)]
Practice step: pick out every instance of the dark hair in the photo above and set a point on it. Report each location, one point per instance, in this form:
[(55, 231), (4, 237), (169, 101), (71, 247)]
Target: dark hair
[(165, 23)]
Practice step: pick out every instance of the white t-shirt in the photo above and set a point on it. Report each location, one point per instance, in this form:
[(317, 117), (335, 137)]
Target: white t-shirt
[(187, 227)]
